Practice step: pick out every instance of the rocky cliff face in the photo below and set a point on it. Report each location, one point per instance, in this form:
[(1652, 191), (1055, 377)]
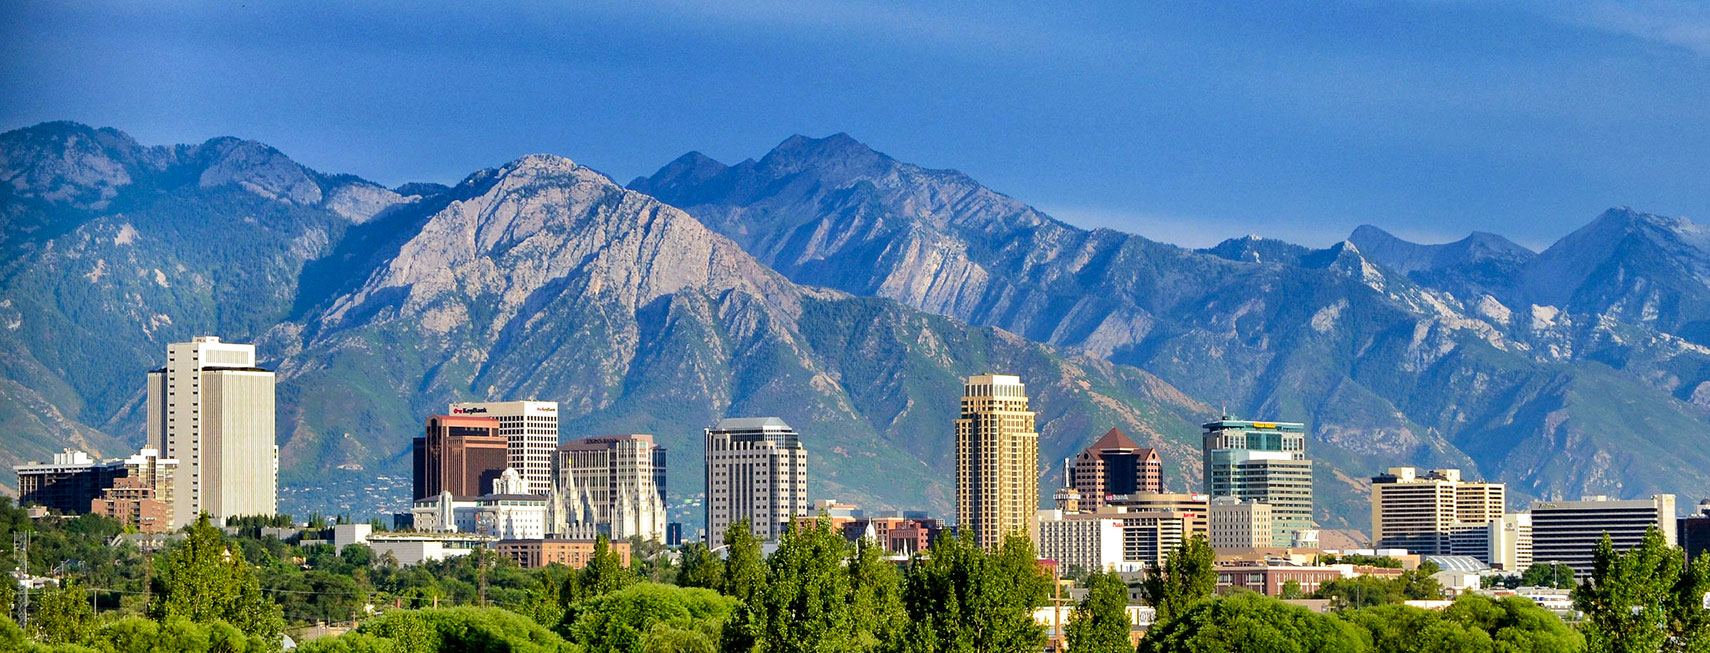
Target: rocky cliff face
[(539, 279), (1445, 354)]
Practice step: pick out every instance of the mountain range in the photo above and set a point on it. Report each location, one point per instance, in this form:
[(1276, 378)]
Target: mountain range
[(842, 290)]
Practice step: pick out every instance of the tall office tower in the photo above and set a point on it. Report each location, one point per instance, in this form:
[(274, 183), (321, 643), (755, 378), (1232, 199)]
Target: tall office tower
[(612, 484), (1264, 462), (1567, 532), (531, 435), (1114, 465), (997, 460), (211, 409), (459, 454), (756, 468), (1422, 512)]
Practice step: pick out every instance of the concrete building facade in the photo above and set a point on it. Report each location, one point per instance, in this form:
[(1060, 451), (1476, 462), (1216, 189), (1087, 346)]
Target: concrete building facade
[(997, 460), (211, 409), (1422, 511), (530, 429), (1568, 532), (756, 468), (576, 554), (1237, 524)]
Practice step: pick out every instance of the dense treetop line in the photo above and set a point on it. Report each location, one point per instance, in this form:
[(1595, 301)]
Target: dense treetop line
[(816, 592)]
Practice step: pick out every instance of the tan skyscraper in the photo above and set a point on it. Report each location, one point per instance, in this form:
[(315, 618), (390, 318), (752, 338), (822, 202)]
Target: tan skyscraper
[(1421, 512), (211, 409), (997, 460)]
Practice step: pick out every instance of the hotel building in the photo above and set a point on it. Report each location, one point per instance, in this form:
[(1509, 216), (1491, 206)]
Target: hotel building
[(997, 460)]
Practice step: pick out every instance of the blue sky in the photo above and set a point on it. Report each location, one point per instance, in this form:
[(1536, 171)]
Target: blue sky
[(1183, 122)]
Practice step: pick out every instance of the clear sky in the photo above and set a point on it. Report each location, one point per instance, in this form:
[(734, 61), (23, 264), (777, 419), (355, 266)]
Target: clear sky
[(1187, 123)]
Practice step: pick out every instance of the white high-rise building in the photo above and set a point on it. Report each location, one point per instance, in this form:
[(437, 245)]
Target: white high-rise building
[(612, 485), (531, 436), (211, 409), (756, 469)]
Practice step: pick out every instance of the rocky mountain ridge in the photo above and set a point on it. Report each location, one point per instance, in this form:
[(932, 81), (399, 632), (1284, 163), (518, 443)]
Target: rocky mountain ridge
[(832, 285)]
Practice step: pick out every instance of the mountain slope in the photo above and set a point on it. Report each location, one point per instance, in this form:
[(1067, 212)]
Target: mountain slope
[(549, 281), (1413, 353), (537, 279)]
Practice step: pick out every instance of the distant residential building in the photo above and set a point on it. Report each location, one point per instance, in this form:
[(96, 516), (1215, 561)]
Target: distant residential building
[(1695, 532), (612, 485), (531, 436), (1115, 465), (1093, 544), (1568, 532), (1422, 512), (997, 460), (507, 513), (1264, 462), (756, 469), (211, 409), (533, 554), (1237, 524), (460, 454)]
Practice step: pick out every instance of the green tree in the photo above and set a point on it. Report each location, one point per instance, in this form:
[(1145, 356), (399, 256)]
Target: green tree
[(1188, 576), (1100, 623), (1250, 623), (1516, 624), (652, 617), (700, 567), (1403, 629), (1688, 621), (605, 571), (1626, 600), (959, 598), (875, 598), (63, 615), (1559, 576), (1291, 590), (744, 568), (203, 580), (805, 605)]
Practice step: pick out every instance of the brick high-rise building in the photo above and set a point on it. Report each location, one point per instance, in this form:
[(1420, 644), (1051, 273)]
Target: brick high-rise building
[(1115, 465), (460, 454), (997, 460)]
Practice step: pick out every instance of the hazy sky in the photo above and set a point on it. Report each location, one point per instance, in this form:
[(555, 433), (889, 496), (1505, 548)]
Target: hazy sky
[(1181, 122)]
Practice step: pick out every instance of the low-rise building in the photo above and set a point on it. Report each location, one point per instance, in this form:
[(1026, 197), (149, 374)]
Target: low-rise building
[(414, 548), (505, 514), (1237, 524), (131, 501), (1269, 579), (532, 554)]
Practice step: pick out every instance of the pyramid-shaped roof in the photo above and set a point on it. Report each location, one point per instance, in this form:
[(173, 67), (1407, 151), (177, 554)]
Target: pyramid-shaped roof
[(1112, 439)]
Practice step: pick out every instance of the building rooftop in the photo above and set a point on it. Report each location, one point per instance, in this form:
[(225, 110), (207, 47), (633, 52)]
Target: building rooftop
[(1457, 563), (751, 424), (1115, 439)]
